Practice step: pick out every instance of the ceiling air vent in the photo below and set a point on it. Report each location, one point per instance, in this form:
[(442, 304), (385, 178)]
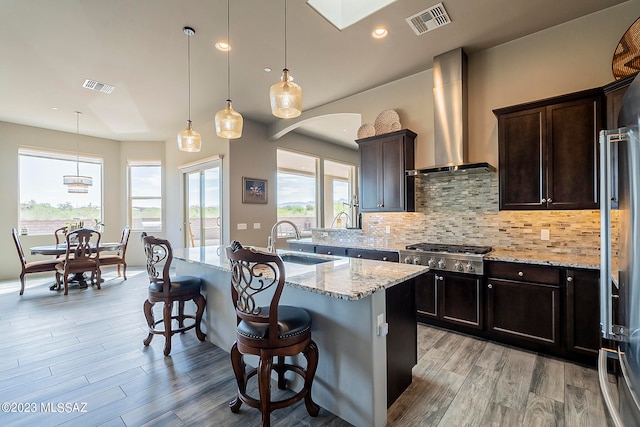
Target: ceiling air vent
[(97, 86), (429, 19)]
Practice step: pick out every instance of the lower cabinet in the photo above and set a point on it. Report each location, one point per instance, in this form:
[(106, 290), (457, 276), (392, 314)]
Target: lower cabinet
[(372, 254), (583, 311), (450, 299), (523, 305)]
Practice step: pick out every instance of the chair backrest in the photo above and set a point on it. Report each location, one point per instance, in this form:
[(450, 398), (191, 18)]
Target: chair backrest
[(16, 240), (60, 234), (124, 241), (253, 273), (82, 245), (159, 256)]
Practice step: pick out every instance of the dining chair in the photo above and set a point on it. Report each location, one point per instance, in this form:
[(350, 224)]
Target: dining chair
[(81, 256), (60, 234), (268, 331), (33, 266), (119, 257), (166, 289)]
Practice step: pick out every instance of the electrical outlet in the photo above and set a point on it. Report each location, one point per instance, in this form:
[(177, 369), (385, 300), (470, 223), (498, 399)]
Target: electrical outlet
[(242, 226), (387, 229), (256, 226), (544, 234)]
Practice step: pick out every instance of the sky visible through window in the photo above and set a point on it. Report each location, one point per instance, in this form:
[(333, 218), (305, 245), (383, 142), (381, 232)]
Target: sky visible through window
[(41, 181)]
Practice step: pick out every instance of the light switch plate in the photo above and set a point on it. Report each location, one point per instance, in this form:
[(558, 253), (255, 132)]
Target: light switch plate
[(242, 226), (256, 225), (544, 234)]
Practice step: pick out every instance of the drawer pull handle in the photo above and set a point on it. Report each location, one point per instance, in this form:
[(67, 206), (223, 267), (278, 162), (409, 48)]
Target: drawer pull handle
[(328, 252), (490, 286), (569, 279), (384, 258), (359, 256), (520, 273)]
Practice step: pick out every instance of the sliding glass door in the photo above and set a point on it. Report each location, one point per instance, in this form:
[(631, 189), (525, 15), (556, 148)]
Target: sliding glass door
[(203, 204)]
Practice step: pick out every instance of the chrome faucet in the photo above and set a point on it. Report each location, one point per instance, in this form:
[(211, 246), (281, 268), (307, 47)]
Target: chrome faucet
[(271, 243), (343, 213)]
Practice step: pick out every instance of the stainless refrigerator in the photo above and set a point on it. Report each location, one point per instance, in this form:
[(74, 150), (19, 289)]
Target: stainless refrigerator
[(619, 358)]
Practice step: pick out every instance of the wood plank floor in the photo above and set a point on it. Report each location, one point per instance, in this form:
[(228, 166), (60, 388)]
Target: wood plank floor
[(85, 350)]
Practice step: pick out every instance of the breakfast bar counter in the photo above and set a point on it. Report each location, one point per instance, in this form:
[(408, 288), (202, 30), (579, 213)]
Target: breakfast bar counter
[(352, 302)]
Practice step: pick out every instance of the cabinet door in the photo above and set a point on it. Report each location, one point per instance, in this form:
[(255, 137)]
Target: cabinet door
[(583, 314), (393, 174), (572, 150), (460, 297), (371, 254), (331, 250), (302, 247), (370, 176), (525, 313), (521, 159), (427, 296)]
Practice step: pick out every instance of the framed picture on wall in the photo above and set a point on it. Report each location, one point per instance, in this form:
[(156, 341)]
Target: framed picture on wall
[(254, 190)]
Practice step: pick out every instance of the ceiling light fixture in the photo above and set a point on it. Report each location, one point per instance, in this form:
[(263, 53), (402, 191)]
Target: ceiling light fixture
[(286, 96), (379, 33), (189, 140), (77, 183), (228, 121)]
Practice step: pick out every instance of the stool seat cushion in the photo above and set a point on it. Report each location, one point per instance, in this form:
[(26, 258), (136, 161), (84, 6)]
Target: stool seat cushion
[(292, 321), (179, 285)]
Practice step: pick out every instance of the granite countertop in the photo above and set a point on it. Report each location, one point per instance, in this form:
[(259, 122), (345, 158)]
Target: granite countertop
[(543, 258), (497, 254), (341, 277)]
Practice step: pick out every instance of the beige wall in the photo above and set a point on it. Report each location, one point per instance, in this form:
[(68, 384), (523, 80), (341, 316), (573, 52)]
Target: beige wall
[(12, 137)]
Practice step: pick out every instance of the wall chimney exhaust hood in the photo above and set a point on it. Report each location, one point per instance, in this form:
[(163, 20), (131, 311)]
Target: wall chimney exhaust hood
[(450, 115)]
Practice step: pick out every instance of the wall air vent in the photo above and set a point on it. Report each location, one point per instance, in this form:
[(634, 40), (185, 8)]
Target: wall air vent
[(97, 86), (429, 19)]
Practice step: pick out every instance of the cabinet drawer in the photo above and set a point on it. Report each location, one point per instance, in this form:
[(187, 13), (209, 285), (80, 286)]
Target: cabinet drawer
[(331, 250), (377, 255), (524, 272), (302, 247)]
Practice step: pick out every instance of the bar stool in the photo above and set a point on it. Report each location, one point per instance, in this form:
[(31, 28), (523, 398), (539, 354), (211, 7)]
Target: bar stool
[(167, 290), (268, 331)]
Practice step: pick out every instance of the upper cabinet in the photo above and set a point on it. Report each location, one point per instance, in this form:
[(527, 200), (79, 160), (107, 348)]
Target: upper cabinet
[(548, 152), (384, 159)]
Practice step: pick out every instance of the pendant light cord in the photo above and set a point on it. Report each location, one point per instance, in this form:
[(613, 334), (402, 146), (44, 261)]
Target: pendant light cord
[(77, 143), (228, 52), (285, 33), (189, 68)]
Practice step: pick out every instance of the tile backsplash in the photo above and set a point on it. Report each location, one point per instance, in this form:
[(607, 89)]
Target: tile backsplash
[(463, 209)]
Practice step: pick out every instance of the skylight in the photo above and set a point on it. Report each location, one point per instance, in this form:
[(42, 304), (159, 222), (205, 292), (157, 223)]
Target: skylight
[(342, 13)]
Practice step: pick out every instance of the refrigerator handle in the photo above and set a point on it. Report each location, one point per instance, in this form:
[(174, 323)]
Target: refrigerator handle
[(605, 388), (606, 305)]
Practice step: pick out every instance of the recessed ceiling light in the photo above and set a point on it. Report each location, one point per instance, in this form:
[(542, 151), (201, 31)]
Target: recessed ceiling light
[(223, 46), (54, 108), (379, 33), (267, 69)]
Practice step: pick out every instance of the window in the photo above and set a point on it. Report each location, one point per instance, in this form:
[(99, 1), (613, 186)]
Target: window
[(145, 196), (339, 195), (45, 204), (297, 189)]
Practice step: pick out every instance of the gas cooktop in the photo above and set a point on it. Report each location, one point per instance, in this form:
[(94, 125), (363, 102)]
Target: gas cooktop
[(453, 249)]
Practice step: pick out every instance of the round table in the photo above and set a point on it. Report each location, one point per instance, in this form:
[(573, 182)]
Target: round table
[(61, 249)]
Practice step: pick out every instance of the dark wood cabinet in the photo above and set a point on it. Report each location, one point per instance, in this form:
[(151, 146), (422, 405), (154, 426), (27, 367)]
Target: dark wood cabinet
[(331, 250), (450, 299), (302, 247), (373, 254), (583, 311), (402, 346), (548, 152), (524, 305), (384, 186)]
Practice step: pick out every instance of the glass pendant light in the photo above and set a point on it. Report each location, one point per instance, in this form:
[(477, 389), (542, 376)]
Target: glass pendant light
[(286, 96), (189, 139), (77, 183), (228, 121)]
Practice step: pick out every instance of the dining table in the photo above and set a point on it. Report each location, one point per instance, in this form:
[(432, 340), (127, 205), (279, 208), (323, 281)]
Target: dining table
[(60, 249)]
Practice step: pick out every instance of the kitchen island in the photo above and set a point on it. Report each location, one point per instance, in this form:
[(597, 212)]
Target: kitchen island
[(351, 302)]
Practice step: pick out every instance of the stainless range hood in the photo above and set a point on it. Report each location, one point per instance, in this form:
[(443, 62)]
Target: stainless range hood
[(450, 115)]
